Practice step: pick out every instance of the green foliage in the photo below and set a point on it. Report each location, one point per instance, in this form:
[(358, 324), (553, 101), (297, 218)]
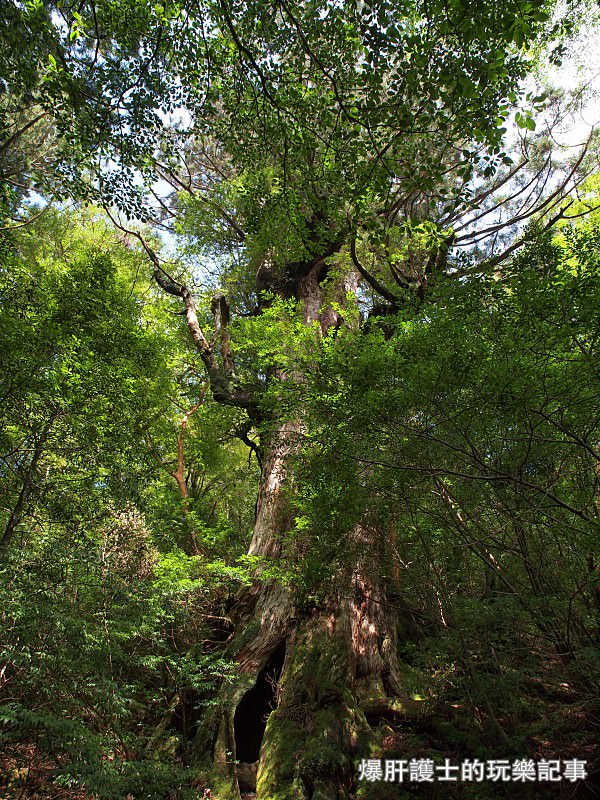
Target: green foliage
[(470, 434), (80, 374), (306, 109), (113, 626), (460, 431), (100, 636)]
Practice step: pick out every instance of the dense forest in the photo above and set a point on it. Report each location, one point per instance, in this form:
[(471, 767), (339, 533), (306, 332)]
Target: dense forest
[(300, 401)]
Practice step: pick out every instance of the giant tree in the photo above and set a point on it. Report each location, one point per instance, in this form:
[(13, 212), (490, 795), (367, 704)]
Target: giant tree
[(342, 137)]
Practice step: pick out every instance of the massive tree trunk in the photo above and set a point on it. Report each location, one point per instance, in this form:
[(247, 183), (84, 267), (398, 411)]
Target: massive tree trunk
[(340, 675), (313, 679)]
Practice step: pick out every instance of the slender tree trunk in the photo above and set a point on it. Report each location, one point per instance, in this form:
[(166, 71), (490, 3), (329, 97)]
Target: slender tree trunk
[(17, 512), (20, 507)]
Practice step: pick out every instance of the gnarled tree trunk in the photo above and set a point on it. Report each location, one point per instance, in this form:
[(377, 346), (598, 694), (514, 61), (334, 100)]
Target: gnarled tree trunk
[(311, 680)]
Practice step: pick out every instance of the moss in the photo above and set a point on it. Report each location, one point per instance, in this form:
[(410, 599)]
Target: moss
[(241, 639), (205, 738), (223, 787), (303, 752), (311, 738), (307, 742), (405, 708), (382, 791), (323, 791), (328, 745), (318, 669), (283, 745)]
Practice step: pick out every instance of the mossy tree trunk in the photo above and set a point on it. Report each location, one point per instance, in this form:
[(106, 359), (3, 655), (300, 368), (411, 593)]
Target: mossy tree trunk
[(340, 675), (332, 669), (311, 679)]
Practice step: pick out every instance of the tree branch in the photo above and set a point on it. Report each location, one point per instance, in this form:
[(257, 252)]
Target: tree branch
[(370, 279), (223, 386)]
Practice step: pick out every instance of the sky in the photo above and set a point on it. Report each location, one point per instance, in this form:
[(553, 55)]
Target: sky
[(581, 68)]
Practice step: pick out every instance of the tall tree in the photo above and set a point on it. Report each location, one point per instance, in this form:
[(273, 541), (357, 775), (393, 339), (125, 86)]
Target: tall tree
[(316, 160)]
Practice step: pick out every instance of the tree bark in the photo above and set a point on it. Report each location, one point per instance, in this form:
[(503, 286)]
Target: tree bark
[(333, 669), (341, 676), (27, 487)]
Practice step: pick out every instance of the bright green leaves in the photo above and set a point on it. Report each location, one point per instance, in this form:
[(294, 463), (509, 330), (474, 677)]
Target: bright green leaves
[(484, 406), (112, 589), (525, 120), (97, 78), (468, 437), (331, 101), (335, 105), (278, 341), (99, 635), (527, 23), (79, 370)]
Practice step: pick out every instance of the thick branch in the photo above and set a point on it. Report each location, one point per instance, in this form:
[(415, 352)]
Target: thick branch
[(224, 388), (370, 279), (220, 310), (17, 134)]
